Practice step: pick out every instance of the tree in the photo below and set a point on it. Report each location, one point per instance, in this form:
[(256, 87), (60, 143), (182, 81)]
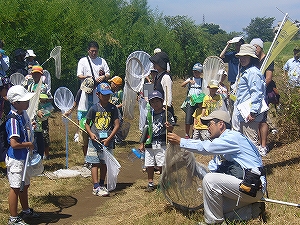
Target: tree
[(260, 28)]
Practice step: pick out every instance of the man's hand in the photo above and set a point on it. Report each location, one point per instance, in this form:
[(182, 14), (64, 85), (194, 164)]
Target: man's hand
[(174, 138)]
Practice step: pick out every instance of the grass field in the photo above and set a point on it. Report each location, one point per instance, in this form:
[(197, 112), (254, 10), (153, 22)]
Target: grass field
[(136, 207)]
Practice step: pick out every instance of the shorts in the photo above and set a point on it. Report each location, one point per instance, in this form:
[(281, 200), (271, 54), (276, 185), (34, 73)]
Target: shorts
[(155, 156), (189, 119), (265, 116), (83, 138), (15, 170), (95, 154)]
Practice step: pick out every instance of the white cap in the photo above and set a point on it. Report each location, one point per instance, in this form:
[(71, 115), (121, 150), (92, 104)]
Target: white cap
[(235, 39), (30, 53), (257, 41), (18, 93)]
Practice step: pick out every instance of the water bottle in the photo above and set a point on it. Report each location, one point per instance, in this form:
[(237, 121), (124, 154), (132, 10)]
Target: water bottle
[(136, 152)]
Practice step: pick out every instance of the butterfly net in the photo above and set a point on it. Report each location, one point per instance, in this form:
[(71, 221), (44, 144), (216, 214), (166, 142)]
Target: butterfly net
[(138, 67), (63, 99), (211, 66), (181, 180), (17, 78), (56, 55)]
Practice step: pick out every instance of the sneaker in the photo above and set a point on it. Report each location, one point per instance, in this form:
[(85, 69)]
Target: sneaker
[(100, 191), (31, 215), (16, 221), (263, 150), (150, 188), (76, 137)]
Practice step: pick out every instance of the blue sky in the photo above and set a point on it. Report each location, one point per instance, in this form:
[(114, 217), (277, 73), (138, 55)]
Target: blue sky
[(231, 15)]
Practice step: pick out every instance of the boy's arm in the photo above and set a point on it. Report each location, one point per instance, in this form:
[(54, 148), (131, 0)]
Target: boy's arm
[(17, 145), (113, 133), (88, 129)]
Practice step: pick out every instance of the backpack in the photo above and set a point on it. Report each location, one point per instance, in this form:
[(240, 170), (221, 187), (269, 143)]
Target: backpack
[(3, 140)]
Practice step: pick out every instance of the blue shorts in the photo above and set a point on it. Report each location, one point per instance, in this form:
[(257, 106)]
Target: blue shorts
[(95, 154)]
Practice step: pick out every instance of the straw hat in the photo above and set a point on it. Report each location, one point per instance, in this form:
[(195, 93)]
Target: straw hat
[(247, 49)]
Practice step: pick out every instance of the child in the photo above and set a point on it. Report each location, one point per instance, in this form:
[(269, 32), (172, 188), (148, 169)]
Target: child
[(156, 144), (19, 97), (105, 123), (199, 130), (83, 101), (116, 98), (213, 101), (41, 133), (194, 89)]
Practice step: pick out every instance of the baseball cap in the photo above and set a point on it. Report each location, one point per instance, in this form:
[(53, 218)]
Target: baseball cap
[(30, 53), (157, 50), (155, 94), (116, 80), (37, 69), (198, 67), (213, 84), (87, 85), (236, 39), (217, 114), (18, 93), (104, 89)]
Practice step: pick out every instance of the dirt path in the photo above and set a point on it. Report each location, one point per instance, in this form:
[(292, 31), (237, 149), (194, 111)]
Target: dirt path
[(83, 204)]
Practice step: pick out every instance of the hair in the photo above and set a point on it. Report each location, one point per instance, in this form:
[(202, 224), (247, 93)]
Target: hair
[(93, 44), (242, 41)]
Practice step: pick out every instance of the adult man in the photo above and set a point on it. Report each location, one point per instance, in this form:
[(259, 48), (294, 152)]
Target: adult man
[(292, 68), (268, 74), (231, 59), (93, 65), (223, 189), (4, 60)]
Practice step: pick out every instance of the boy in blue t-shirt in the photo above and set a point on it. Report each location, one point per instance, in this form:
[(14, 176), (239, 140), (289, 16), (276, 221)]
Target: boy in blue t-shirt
[(16, 128), (102, 124)]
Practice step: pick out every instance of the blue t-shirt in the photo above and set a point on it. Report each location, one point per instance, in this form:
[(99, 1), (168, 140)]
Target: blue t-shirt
[(233, 65), (16, 127)]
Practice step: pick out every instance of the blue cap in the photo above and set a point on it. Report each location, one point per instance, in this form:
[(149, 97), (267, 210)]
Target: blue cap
[(104, 89), (155, 94)]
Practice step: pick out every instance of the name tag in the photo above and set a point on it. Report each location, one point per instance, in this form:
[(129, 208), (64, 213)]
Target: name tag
[(103, 134)]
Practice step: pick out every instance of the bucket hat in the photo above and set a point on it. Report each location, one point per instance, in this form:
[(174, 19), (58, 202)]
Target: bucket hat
[(247, 49)]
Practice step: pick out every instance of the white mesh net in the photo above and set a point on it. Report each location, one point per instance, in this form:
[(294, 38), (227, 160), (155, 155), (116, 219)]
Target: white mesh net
[(63, 99), (56, 55), (181, 180), (211, 66), (138, 67), (17, 78)]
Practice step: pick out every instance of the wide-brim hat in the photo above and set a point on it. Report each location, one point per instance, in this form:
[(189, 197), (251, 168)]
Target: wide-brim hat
[(247, 49), (217, 114), (161, 59), (37, 69), (30, 53), (87, 85), (18, 93)]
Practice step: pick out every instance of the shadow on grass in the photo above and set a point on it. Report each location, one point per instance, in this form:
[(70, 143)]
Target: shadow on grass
[(292, 161), (61, 202)]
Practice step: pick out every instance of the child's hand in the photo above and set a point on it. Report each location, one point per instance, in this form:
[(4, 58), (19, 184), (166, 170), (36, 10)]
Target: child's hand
[(192, 81), (30, 145), (93, 137), (40, 113), (169, 126), (105, 142)]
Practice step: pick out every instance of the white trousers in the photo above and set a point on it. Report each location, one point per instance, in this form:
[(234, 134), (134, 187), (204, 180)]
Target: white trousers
[(221, 195)]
